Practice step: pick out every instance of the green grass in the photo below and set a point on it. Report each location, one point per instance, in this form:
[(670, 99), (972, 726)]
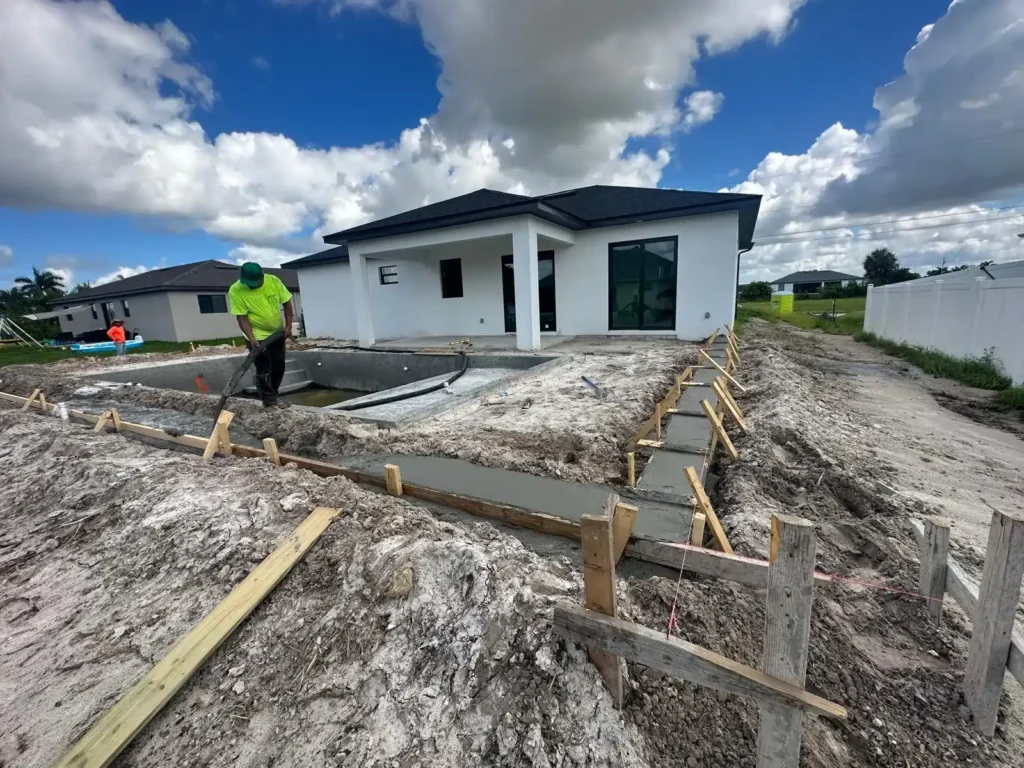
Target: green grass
[(11, 354), (804, 314), (1012, 398), (977, 372)]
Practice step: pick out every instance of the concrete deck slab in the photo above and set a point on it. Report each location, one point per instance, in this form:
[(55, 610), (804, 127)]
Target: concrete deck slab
[(660, 521), (505, 341)]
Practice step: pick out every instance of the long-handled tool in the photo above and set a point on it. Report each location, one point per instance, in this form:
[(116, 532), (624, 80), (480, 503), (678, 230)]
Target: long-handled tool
[(255, 352)]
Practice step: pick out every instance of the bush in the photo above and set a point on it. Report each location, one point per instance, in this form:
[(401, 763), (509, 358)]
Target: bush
[(1012, 398), (981, 372), (756, 291)]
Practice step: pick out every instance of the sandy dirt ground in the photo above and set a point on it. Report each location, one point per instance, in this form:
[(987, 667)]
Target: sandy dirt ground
[(548, 423)]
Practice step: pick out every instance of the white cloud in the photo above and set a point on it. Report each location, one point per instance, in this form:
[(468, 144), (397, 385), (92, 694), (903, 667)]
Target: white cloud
[(97, 114), (267, 257), (122, 273), (67, 275), (701, 107), (943, 145), (6, 255), (261, 63)]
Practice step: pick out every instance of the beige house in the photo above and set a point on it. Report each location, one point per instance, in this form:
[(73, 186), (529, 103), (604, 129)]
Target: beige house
[(188, 302)]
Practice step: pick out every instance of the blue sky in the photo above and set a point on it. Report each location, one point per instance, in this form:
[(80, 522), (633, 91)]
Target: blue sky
[(326, 75)]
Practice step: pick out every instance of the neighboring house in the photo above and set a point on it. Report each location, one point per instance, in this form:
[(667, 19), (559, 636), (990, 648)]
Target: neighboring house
[(183, 303), (596, 260), (1002, 271), (813, 282)]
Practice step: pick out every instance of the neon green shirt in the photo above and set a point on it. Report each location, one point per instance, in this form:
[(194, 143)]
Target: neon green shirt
[(262, 305)]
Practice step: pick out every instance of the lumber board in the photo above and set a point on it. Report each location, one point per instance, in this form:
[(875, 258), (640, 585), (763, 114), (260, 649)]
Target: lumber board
[(393, 479), (31, 400), (935, 553), (683, 660), (270, 448), (711, 339), (649, 443), (697, 529), (115, 729), (596, 541), (631, 469), (707, 562), (717, 532), (722, 388), (730, 408), (623, 520), (724, 372), (219, 439), (716, 422), (667, 403)]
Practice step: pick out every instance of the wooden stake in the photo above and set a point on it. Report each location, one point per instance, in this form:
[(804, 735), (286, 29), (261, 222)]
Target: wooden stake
[(725, 390), (724, 372), (42, 402), (726, 401), (730, 361), (393, 478), (116, 418), (733, 344), (622, 527), (631, 469), (697, 529), (657, 423), (717, 532), (113, 732), (719, 429), (712, 337), (989, 648), (932, 583), (599, 590), (102, 423), (270, 446), (31, 399), (786, 633), (219, 438), (649, 443)]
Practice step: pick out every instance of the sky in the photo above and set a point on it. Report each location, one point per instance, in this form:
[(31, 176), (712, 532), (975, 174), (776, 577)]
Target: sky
[(137, 135)]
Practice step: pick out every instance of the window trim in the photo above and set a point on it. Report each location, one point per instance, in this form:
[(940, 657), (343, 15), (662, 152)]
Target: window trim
[(212, 297), (382, 275), (675, 286), (125, 309), (95, 314), (462, 286)]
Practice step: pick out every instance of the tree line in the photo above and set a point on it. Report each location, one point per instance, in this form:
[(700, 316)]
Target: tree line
[(30, 295)]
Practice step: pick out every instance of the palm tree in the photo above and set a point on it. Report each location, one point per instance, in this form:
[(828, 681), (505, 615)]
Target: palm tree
[(41, 283)]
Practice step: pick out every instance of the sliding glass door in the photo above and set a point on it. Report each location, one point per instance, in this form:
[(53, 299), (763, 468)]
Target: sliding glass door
[(642, 285)]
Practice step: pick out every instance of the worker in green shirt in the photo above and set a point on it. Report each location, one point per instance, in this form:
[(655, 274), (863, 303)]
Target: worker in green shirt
[(256, 300)]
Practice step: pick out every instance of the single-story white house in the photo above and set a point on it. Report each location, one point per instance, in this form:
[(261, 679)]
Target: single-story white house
[(187, 302), (596, 260), (814, 281)]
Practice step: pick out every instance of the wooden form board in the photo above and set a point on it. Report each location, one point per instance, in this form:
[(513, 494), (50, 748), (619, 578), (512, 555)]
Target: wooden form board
[(597, 544), (270, 448), (683, 660), (697, 529), (393, 479), (717, 532), (114, 730), (716, 423), (723, 389), (666, 405), (724, 372), (623, 520), (725, 400)]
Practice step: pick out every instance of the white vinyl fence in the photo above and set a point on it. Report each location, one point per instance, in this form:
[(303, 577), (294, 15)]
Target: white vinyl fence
[(971, 318)]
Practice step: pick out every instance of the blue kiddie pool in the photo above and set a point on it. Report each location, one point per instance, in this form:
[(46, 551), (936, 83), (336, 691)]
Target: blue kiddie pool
[(105, 346)]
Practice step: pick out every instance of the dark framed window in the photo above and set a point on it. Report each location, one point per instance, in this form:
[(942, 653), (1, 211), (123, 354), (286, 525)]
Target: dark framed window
[(124, 308), (642, 284), (451, 278), (95, 314), (212, 304), (69, 317), (388, 275)]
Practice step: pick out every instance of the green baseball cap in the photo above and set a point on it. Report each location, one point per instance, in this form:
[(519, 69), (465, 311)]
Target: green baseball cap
[(252, 274)]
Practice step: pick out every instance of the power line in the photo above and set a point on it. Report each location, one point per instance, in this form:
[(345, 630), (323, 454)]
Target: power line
[(870, 235), (890, 221)]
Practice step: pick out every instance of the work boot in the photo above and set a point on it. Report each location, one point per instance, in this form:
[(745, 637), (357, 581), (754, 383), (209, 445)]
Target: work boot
[(281, 404), (271, 402)]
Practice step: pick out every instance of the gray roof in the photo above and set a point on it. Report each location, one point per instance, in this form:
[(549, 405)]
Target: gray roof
[(575, 209), (215, 276), (1004, 271), (816, 276)]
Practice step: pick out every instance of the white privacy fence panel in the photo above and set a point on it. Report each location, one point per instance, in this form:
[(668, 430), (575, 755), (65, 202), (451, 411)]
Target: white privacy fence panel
[(962, 318)]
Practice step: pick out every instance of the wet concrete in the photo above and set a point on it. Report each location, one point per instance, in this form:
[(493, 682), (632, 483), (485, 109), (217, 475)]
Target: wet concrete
[(570, 501)]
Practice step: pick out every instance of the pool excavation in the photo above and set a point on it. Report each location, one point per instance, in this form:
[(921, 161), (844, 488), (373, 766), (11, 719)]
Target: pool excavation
[(412, 628)]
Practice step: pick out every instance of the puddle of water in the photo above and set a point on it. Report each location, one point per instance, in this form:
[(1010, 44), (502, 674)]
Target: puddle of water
[(318, 397)]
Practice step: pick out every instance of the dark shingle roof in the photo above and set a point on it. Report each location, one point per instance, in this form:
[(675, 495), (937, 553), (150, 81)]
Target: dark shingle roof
[(576, 209), (818, 276), (199, 276)]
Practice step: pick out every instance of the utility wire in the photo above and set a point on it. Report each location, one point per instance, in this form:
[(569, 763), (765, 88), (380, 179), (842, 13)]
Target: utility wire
[(890, 221), (870, 235)]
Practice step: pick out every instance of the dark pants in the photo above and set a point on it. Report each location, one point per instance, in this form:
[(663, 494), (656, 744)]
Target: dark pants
[(269, 365)]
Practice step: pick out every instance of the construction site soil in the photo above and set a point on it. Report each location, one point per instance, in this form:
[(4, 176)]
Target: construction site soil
[(401, 640)]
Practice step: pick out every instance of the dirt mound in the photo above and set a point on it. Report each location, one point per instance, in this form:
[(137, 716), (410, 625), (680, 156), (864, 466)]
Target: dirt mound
[(397, 640)]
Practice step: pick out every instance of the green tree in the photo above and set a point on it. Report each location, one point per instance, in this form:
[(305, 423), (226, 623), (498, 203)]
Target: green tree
[(759, 290), (44, 285), (880, 265)]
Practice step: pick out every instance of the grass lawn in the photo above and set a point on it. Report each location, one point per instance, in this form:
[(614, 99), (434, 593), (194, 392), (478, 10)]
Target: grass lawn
[(18, 354), (805, 314)]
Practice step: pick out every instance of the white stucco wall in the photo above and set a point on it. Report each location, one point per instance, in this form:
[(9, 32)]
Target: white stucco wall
[(706, 274), (191, 325)]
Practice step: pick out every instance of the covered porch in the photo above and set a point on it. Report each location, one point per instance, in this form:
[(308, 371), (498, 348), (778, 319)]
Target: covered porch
[(479, 280)]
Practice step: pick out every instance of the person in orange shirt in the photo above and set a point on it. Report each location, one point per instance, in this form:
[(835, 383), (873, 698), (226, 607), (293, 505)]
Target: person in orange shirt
[(116, 334)]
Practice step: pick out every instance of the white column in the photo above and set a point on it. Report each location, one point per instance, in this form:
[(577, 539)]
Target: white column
[(936, 302), (526, 274), (361, 298)]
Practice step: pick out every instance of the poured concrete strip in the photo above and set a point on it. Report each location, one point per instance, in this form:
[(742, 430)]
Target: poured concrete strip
[(558, 498), (686, 432)]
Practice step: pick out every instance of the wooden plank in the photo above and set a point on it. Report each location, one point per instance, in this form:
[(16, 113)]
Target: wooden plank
[(218, 437), (42, 402), (989, 649), (717, 532), (101, 423), (716, 422), (31, 399), (622, 527), (649, 443), (724, 372), (683, 660), (786, 636), (726, 401), (934, 554), (270, 448), (734, 345), (631, 469), (393, 478), (707, 562), (697, 529), (657, 420), (112, 732), (596, 541), (730, 359), (711, 339), (723, 388), (116, 418)]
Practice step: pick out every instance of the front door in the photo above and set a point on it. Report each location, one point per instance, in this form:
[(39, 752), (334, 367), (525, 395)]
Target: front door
[(545, 290)]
